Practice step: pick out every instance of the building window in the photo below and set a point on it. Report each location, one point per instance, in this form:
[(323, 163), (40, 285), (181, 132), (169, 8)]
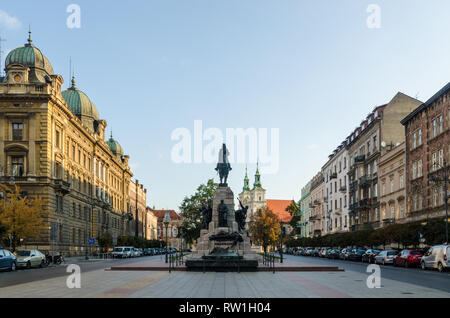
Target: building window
[(434, 128), (401, 181), (435, 197), (17, 131), (441, 122), (17, 166), (420, 137), (419, 168), (414, 143), (57, 139), (434, 162), (441, 158), (392, 185), (73, 152)]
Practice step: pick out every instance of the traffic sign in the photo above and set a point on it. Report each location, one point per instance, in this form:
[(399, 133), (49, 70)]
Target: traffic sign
[(92, 241)]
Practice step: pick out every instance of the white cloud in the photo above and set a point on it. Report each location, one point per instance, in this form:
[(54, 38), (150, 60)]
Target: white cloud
[(8, 21)]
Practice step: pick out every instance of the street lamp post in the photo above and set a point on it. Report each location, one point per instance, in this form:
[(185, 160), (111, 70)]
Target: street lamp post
[(445, 180), (283, 232), (166, 224)]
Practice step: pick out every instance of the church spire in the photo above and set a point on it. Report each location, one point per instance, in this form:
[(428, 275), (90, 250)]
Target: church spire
[(257, 184), (246, 182)]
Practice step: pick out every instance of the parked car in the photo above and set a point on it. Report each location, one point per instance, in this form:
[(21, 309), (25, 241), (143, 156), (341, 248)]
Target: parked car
[(408, 258), (356, 255), (7, 260), (323, 251), (315, 252), (148, 252), (436, 257), (333, 254), (369, 256), (308, 251), (344, 253), (137, 252), (386, 257), (30, 258)]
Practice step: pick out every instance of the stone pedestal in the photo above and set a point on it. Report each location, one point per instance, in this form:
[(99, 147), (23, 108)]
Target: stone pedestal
[(205, 245)]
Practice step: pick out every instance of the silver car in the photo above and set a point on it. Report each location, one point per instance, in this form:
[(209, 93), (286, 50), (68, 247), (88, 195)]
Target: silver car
[(436, 257), (31, 258), (386, 257)]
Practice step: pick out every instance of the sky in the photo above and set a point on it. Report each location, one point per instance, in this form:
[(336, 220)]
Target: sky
[(313, 70)]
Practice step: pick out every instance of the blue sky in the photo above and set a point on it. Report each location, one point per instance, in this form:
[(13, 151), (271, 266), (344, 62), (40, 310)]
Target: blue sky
[(313, 69)]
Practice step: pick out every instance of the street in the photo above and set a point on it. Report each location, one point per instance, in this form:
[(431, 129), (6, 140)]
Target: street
[(96, 282)]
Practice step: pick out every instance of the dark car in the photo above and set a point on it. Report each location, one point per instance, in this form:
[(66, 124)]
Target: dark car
[(369, 256), (333, 254), (356, 255), (148, 252), (315, 252), (408, 258), (7, 260)]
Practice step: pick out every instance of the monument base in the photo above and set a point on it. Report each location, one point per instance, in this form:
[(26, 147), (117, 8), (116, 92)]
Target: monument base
[(237, 264)]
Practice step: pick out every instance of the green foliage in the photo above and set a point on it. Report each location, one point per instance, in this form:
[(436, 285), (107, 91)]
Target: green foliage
[(434, 232), (404, 234), (190, 210), (105, 240)]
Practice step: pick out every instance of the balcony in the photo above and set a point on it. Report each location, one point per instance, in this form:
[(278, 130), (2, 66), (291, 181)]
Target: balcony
[(343, 188), (353, 186), (352, 207), (365, 180), (338, 211), (61, 186), (325, 199), (360, 159), (365, 203), (316, 202), (333, 176)]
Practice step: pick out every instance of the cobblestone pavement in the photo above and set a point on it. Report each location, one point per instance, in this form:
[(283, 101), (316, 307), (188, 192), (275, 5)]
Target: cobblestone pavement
[(110, 284)]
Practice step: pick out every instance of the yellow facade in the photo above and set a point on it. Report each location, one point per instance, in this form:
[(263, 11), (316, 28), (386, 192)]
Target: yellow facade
[(49, 151)]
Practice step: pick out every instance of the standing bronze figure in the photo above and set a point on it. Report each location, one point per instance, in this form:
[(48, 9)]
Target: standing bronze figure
[(223, 166), (241, 216), (223, 214), (207, 216)]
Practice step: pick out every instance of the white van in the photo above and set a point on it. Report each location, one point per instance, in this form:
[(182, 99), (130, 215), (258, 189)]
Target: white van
[(436, 257), (123, 252)]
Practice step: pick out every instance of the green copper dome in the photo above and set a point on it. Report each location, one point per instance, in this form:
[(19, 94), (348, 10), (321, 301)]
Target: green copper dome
[(79, 103), (115, 147), (30, 56)]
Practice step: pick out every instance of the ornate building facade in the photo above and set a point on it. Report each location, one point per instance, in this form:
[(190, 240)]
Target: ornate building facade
[(254, 198), (427, 148), (52, 144)]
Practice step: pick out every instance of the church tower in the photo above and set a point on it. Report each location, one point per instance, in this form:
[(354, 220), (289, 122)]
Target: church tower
[(253, 198)]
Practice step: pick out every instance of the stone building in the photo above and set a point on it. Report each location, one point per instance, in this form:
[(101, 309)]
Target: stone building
[(427, 148), (254, 198), (305, 211), (365, 146), (172, 229), (335, 174), (52, 144), (152, 225), (137, 193), (317, 215), (392, 186)]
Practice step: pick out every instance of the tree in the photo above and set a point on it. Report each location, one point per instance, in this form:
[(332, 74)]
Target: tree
[(23, 216), (293, 210), (105, 240), (264, 227), (190, 210)]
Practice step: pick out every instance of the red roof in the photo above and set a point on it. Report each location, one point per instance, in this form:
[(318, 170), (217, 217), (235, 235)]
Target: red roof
[(160, 214), (279, 208)]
